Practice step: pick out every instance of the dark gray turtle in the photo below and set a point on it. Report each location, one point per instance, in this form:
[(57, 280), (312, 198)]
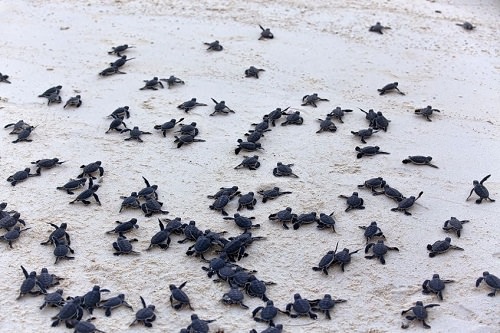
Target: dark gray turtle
[(466, 25), (71, 310), (343, 257), (216, 264), (250, 162), (391, 192), (4, 78), (426, 112), (172, 81), (293, 119), (113, 303), (353, 201), (131, 201), (62, 250), (120, 61), (491, 281), (30, 285), (188, 129), (326, 304), (24, 134), (9, 221), (370, 116), (124, 245), (271, 329), (284, 170), (161, 238), (266, 313), (254, 136), (419, 313), (59, 234), (198, 325), (380, 122), (326, 125), (306, 218), (301, 307), (364, 133), (436, 285), (257, 288), (369, 151), (149, 191), (21, 176), (121, 112), (152, 206), (214, 46), (420, 160), (116, 123), (110, 71), (379, 250), (191, 232), (372, 231), (54, 98), (89, 169), (221, 107), (271, 194), (247, 201), (189, 105), (247, 146), (265, 33), (119, 49), (92, 298), (390, 87), (275, 115), (263, 126), (234, 296), (54, 299), (220, 203), (12, 235), (326, 261), (338, 113), (87, 194), (326, 221), (72, 184), (152, 84), (441, 246), (166, 126), (284, 216), (312, 100), (245, 223), (135, 133), (186, 139), (17, 127), (146, 315), (253, 72), (47, 163), (50, 91), (373, 183), (48, 280), (406, 204), (235, 247), (231, 192), (75, 101), (202, 245), (84, 326), (378, 28), (480, 190), (454, 224), (179, 298)]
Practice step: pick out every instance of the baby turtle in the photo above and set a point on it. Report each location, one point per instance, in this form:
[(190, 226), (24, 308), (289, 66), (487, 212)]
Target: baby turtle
[(234, 296), (353, 201), (305, 218), (343, 257), (254, 136), (466, 25), (113, 303), (326, 221), (491, 281), (253, 72), (283, 170), (189, 105), (178, 298), (312, 100), (54, 98), (326, 261), (369, 151), (146, 315), (198, 325), (48, 280), (426, 112), (189, 129), (84, 326), (380, 122), (373, 183), (172, 81), (120, 61), (110, 71), (390, 87), (378, 28), (441, 246), (61, 251), (338, 113), (271, 329), (436, 285), (119, 49), (480, 190), (59, 234), (152, 84), (167, 126), (379, 250), (161, 238), (75, 101), (245, 223), (219, 204), (257, 288), (135, 133), (186, 139), (220, 107), (250, 162), (50, 91), (92, 298), (9, 221), (46, 163), (265, 33), (191, 232), (89, 192), (72, 184), (293, 119), (271, 194), (131, 201), (124, 245), (54, 299), (364, 133), (149, 191), (231, 192), (4, 78), (214, 46), (247, 146), (326, 304), (24, 134), (115, 124), (121, 112), (391, 192), (20, 176), (420, 160), (89, 169), (284, 216), (266, 313), (372, 231), (301, 307), (246, 201), (419, 313), (454, 224), (17, 127), (71, 310), (326, 125), (30, 285), (370, 116), (406, 204)]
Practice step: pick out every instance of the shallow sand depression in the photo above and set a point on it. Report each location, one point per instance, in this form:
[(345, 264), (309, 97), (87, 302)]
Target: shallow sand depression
[(318, 47)]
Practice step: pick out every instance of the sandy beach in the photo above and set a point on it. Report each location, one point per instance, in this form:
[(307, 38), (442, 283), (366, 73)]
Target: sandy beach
[(318, 47)]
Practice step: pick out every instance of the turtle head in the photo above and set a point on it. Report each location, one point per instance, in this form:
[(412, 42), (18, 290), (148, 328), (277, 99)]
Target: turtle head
[(296, 296), (373, 223), (419, 303), (44, 270), (448, 239), (435, 276), (194, 317), (475, 182), (486, 273), (172, 287)]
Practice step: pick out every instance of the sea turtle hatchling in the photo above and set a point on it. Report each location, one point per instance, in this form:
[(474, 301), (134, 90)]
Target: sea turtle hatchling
[(61, 251), (9, 221), (266, 314), (253, 71), (301, 307), (92, 298), (84, 326), (420, 160), (364, 133), (132, 201), (172, 81), (110, 71), (198, 325), (190, 231), (369, 151), (339, 113), (119, 49), (24, 134), (188, 129), (4, 78), (379, 250), (113, 303), (54, 98), (441, 246), (247, 201), (17, 126), (47, 163), (265, 33), (454, 224), (149, 191), (250, 162), (312, 100), (284, 170), (152, 84), (59, 233), (219, 204), (72, 185), (326, 261), (186, 139), (221, 107), (146, 315), (419, 311), (326, 221), (247, 146), (89, 169), (326, 304), (436, 285), (380, 122), (87, 194), (326, 125), (54, 299), (293, 119), (271, 329), (178, 297), (231, 192), (50, 91), (245, 223), (391, 192), (406, 204), (189, 105), (373, 183), (120, 61), (166, 126), (491, 281), (353, 201), (135, 133), (370, 115), (72, 309), (30, 285), (234, 296), (373, 230), (75, 101), (20, 176), (466, 25), (121, 112), (271, 194), (284, 216), (480, 190), (122, 245), (116, 123), (161, 238), (48, 280), (390, 87), (214, 46), (378, 28), (305, 218), (426, 112)]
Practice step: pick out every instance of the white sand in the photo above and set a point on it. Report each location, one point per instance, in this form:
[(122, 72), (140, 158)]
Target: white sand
[(319, 47)]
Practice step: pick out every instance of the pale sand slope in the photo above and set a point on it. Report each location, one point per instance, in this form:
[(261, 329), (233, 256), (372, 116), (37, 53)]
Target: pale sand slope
[(319, 48)]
